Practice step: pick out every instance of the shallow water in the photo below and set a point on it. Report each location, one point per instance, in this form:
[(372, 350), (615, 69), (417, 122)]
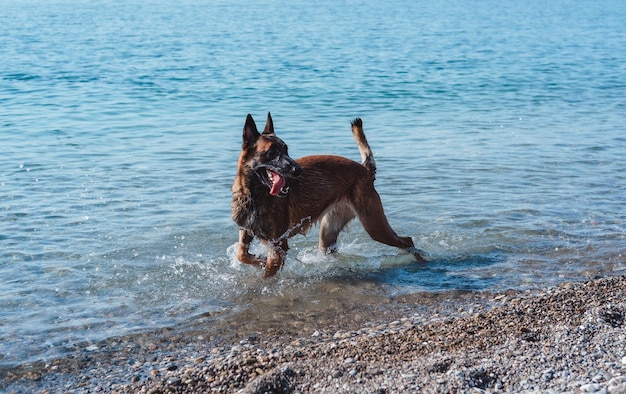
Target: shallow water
[(498, 131)]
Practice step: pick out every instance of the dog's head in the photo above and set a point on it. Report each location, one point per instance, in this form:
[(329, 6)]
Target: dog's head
[(266, 155)]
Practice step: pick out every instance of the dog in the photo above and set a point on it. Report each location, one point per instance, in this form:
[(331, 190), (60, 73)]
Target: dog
[(276, 197)]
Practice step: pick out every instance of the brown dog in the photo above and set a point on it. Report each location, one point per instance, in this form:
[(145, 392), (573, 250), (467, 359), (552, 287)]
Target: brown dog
[(276, 197)]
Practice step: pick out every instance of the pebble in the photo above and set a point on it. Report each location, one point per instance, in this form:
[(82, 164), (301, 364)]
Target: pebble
[(590, 388), (617, 385), (373, 371)]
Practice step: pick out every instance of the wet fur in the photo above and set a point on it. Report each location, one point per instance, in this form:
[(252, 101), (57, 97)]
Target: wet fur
[(331, 190)]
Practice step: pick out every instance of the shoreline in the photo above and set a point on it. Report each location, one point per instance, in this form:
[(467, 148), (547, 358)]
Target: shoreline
[(568, 338)]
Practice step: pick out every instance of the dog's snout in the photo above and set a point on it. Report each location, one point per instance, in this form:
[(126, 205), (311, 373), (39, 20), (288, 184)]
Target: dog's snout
[(296, 170)]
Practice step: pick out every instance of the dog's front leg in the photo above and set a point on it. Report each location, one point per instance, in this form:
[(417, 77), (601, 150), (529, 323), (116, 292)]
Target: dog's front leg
[(276, 253), (243, 253)]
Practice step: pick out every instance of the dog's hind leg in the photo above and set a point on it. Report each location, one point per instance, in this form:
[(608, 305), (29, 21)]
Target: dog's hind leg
[(243, 254), (331, 225), (372, 216)]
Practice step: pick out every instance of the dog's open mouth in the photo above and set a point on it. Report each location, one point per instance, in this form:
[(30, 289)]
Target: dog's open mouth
[(277, 183)]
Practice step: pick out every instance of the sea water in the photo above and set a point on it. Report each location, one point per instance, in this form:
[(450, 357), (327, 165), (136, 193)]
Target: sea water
[(498, 128)]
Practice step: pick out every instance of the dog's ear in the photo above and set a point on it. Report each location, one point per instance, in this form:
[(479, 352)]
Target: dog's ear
[(250, 132), (269, 125)]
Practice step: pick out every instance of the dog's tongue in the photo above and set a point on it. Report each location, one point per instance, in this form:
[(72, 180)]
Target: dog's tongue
[(278, 182)]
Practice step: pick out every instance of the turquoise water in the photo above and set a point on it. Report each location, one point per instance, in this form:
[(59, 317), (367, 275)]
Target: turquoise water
[(498, 129)]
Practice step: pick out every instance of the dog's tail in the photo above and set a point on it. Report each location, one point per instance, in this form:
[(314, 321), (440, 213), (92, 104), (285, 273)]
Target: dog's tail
[(364, 147)]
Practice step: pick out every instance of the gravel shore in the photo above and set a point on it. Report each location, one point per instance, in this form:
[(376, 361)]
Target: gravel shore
[(571, 338)]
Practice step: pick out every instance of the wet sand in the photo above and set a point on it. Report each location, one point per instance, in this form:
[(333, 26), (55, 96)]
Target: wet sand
[(570, 338)]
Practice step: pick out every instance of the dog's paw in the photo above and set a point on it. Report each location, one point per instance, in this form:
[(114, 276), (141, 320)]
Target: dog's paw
[(418, 254), (248, 258)]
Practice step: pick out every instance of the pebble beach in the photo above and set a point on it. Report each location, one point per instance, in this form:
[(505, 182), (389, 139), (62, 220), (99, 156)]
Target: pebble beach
[(566, 339)]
